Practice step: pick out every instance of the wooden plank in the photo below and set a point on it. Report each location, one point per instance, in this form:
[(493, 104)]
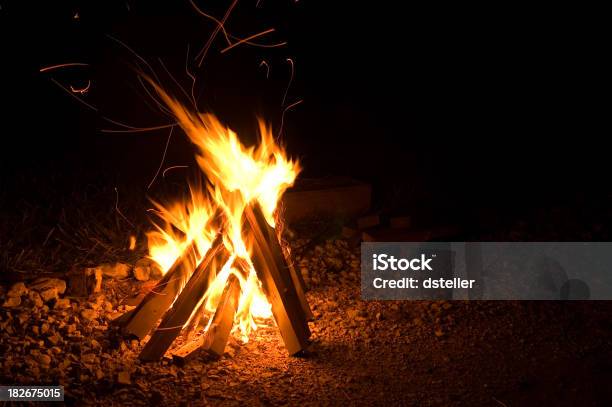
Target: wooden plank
[(188, 351), (277, 283), (158, 300), (221, 326), (189, 298)]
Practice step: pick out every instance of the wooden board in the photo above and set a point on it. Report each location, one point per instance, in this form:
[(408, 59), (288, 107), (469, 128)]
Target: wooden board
[(144, 317), (186, 303), (277, 283), (221, 326), (188, 351)]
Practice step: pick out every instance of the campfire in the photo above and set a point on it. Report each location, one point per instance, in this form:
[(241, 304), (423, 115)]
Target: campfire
[(225, 267)]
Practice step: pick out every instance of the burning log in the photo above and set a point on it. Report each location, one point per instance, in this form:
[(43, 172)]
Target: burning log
[(219, 330), (142, 319), (187, 302), (289, 309)]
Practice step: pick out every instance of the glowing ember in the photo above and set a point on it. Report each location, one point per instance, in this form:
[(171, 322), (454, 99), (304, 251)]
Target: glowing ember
[(237, 176)]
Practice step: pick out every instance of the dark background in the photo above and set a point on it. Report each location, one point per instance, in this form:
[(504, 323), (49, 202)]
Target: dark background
[(449, 109)]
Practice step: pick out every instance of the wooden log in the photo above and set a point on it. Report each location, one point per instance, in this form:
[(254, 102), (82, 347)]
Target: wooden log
[(188, 351), (285, 266), (277, 283), (144, 317), (84, 282), (221, 326), (186, 303)]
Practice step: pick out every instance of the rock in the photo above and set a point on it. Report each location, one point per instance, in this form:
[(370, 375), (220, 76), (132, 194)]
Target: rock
[(88, 358), (46, 283), (124, 378), (89, 314), (44, 328), (99, 374), (43, 359), (50, 294), (352, 313), (12, 302), (142, 270), (62, 303), (36, 299), (17, 290), (117, 271)]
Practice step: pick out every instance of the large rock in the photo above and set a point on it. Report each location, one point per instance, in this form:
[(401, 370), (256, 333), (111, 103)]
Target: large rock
[(17, 290), (12, 302), (118, 271), (142, 269), (49, 288)]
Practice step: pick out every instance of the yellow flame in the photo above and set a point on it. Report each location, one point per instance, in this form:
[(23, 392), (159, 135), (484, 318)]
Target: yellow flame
[(237, 176)]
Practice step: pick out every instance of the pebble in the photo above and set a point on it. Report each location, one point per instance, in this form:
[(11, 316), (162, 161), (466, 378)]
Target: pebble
[(124, 378), (62, 303), (89, 314), (43, 359), (117, 271), (12, 302), (17, 290), (46, 283)]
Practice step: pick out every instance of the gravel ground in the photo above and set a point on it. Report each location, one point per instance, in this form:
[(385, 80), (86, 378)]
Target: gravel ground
[(363, 353)]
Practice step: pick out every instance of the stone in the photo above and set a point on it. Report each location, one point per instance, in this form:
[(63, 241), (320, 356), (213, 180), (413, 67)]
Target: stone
[(142, 271), (12, 302), (50, 294), (88, 358), (62, 303), (43, 359), (124, 378), (46, 283), (17, 290), (89, 314), (117, 271), (36, 299)]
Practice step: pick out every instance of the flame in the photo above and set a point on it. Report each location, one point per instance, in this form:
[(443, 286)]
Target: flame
[(237, 176)]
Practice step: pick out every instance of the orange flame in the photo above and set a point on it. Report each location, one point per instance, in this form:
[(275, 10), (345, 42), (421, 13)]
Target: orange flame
[(237, 176)]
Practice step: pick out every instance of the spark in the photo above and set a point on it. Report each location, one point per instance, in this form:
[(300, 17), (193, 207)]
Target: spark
[(163, 158), (52, 67), (173, 78), (117, 208), (173, 168), (228, 37), (138, 129), (193, 78), (264, 63), (82, 91), (280, 132), (95, 109), (215, 32), (128, 128), (290, 61), (247, 39), (135, 54)]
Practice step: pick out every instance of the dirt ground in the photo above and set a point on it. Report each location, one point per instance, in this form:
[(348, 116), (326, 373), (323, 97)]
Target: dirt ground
[(362, 353)]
